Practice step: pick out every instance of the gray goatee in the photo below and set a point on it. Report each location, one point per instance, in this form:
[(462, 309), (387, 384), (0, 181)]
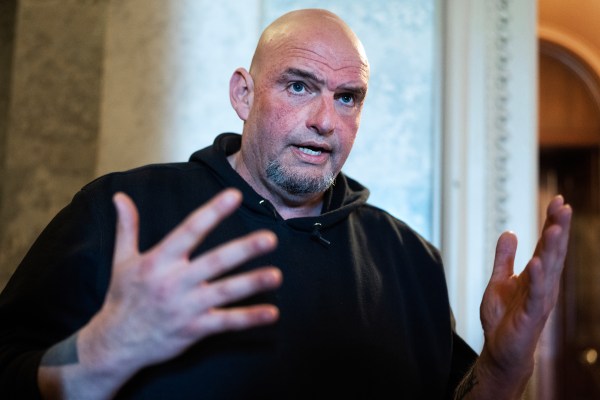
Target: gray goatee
[(294, 183)]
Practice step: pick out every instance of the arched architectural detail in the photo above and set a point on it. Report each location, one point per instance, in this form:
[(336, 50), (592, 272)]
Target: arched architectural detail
[(569, 99), (576, 46)]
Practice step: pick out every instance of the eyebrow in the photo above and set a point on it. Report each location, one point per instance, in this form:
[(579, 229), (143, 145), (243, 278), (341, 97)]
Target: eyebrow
[(300, 73), (360, 92)]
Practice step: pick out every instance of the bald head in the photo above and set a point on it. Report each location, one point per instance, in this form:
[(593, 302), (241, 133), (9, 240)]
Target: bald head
[(301, 103), (332, 38)]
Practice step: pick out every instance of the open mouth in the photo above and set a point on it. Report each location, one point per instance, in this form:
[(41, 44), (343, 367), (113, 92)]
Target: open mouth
[(312, 150)]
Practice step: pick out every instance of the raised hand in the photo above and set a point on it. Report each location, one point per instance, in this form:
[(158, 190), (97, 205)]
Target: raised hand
[(161, 301), (515, 308)]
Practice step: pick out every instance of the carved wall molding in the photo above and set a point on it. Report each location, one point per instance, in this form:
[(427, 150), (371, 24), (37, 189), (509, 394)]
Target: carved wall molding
[(498, 102), (490, 143)]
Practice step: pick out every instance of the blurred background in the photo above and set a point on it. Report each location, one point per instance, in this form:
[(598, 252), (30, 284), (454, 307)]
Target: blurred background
[(478, 112)]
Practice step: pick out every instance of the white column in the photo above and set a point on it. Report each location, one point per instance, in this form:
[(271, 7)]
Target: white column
[(490, 145)]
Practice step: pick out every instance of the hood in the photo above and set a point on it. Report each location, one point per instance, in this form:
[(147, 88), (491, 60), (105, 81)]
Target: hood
[(345, 196)]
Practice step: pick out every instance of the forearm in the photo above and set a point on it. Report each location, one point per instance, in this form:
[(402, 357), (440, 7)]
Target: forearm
[(77, 368), (483, 382)]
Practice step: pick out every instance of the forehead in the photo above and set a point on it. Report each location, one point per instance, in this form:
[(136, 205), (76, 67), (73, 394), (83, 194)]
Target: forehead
[(337, 63)]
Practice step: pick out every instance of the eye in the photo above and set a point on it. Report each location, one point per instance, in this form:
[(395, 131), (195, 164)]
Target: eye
[(346, 99), (297, 87)]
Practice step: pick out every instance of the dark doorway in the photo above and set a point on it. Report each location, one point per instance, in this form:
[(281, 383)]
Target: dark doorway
[(569, 163)]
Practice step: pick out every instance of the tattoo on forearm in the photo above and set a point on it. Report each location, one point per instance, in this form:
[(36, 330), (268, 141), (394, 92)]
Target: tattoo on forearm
[(466, 385), (62, 353)]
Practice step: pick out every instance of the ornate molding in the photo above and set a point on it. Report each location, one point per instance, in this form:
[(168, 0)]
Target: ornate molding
[(498, 115)]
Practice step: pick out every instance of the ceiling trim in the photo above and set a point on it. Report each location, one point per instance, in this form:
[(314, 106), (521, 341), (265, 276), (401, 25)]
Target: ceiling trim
[(574, 43)]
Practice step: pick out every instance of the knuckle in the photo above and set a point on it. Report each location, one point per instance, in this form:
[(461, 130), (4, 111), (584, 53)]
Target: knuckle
[(192, 227), (147, 275), (146, 267), (225, 291), (215, 263)]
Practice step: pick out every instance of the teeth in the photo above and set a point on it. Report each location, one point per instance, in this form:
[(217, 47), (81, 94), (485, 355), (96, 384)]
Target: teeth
[(308, 151)]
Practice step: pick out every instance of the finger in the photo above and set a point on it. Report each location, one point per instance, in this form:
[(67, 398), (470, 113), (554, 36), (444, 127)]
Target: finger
[(542, 290), (227, 256), (553, 207), (126, 239), (546, 266), (504, 259), (563, 218), (554, 238), (537, 287), (237, 287), (184, 238), (552, 252), (555, 204), (557, 213), (234, 319)]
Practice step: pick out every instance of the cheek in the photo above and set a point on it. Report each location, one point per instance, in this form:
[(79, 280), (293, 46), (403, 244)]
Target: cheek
[(346, 146), (349, 133), (275, 116), (346, 137)]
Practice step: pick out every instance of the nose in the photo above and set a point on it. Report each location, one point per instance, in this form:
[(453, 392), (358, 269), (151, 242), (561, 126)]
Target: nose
[(323, 116)]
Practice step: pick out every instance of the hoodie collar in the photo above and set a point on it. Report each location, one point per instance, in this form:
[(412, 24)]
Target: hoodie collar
[(339, 201)]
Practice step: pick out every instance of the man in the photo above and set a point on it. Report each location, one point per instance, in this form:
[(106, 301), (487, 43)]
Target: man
[(289, 286)]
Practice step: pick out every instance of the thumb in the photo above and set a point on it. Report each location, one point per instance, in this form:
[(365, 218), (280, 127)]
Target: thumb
[(504, 261), (126, 239)]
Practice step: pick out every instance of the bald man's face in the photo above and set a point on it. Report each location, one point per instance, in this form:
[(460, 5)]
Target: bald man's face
[(308, 95)]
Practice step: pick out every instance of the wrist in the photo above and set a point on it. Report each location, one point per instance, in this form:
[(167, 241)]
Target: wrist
[(502, 381), (101, 350), (77, 368)]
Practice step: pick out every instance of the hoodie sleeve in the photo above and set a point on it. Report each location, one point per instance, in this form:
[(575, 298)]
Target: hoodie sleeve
[(463, 358), (55, 290)]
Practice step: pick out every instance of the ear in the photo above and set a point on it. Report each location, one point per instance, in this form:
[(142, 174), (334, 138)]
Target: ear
[(241, 92)]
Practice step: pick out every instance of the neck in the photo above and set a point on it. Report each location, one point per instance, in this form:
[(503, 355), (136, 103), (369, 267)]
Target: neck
[(286, 204)]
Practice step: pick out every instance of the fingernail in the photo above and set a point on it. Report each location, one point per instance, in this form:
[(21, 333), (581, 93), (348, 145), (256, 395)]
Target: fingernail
[(231, 197), (274, 277), (270, 315), (267, 240)]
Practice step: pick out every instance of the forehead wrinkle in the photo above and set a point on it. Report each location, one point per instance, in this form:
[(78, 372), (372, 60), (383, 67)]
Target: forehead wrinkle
[(298, 72), (309, 74), (299, 52)]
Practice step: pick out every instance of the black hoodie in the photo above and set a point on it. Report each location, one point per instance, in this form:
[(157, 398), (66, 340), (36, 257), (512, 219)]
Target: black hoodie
[(364, 310)]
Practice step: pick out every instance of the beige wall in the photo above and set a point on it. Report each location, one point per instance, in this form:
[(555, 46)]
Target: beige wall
[(98, 86), (7, 31), (50, 127)]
